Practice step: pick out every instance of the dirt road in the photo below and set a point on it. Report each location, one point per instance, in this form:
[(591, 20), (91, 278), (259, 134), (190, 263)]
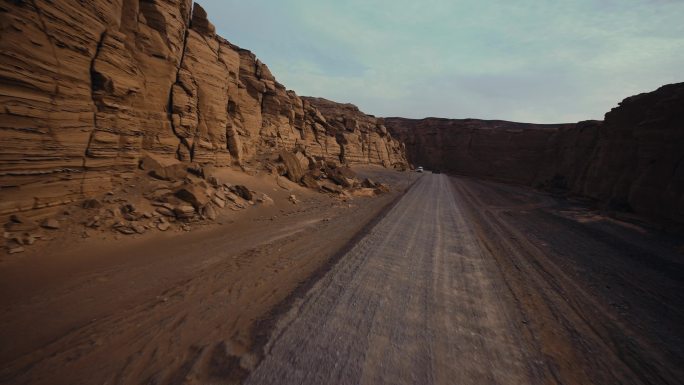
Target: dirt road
[(468, 282), (174, 308), (460, 282)]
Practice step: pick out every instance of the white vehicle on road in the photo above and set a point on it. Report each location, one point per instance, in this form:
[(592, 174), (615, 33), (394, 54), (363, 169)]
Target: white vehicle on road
[(419, 169)]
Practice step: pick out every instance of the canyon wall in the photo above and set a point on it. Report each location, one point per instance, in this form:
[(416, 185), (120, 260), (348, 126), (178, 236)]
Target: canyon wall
[(365, 137), (87, 88), (638, 158), (633, 160), (501, 150)]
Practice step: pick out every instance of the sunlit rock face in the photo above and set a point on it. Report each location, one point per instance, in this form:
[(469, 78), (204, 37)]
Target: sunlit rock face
[(366, 138), (88, 87)]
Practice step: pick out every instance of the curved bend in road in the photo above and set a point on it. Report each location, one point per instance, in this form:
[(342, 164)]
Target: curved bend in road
[(467, 282)]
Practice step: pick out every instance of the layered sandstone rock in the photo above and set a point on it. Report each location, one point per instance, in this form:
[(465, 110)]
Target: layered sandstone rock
[(501, 150), (633, 160), (638, 160), (87, 87), (365, 137)]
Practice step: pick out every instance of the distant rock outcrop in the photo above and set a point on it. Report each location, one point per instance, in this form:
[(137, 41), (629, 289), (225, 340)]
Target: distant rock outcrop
[(87, 87), (365, 137), (505, 151), (634, 160)]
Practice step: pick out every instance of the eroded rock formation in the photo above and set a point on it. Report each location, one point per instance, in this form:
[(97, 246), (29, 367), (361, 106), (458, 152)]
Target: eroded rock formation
[(501, 150), (87, 88), (633, 160), (638, 159), (365, 137)]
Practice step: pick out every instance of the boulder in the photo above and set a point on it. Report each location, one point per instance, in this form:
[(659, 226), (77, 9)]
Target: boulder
[(171, 173), (303, 160), (243, 192), (316, 173), (265, 200), (338, 176), (50, 224), (221, 203), (220, 193), (209, 212), (138, 228), (165, 211), (293, 167), (91, 204), (364, 192), (28, 239), (381, 188), (232, 197), (194, 195), (149, 162), (19, 222), (14, 248), (309, 181), (368, 183), (331, 188), (124, 228), (214, 181), (184, 211), (127, 208), (346, 172), (93, 222), (164, 168), (158, 193)]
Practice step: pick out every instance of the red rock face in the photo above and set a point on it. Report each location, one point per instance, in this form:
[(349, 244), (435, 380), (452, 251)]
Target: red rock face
[(501, 150), (634, 160), (87, 87), (366, 138), (638, 160)]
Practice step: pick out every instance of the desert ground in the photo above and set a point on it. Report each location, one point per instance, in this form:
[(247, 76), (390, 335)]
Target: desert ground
[(442, 280), (174, 213)]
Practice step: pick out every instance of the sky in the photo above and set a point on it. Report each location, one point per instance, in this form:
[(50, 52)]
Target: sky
[(538, 61)]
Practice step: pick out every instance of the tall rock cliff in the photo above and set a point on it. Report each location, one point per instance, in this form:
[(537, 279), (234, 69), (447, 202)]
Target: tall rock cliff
[(365, 137), (638, 158), (632, 160), (501, 150), (86, 88)]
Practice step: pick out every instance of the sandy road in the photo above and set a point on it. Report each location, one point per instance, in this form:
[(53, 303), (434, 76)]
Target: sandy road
[(180, 308), (461, 282), (467, 282)]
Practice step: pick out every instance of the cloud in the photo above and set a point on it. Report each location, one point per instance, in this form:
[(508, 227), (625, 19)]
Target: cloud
[(538, 61)]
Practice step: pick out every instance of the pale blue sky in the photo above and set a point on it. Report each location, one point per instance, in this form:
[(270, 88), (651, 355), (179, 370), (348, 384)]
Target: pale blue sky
[(541, 61)]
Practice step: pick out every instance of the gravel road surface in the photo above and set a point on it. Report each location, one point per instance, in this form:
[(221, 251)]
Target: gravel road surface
[(470, 282)]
